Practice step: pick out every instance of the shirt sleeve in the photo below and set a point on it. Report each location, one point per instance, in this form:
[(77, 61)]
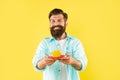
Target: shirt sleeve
[(40, 53), (79, 54)]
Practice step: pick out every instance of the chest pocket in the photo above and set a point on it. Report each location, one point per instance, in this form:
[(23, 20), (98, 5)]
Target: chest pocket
[(69, 50)]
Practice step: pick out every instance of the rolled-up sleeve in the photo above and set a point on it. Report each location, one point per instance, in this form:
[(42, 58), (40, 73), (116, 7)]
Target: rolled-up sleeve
[(79, 54), (40, 53)]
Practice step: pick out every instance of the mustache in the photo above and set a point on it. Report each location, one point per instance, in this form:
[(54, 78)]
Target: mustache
[(57, 26)]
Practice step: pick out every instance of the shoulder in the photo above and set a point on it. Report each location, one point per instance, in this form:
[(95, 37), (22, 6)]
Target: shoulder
[(47, 39), (74, 39), (44, 41)]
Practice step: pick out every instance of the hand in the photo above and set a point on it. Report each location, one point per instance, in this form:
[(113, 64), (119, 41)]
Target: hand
[(48, 60), (67, 59)]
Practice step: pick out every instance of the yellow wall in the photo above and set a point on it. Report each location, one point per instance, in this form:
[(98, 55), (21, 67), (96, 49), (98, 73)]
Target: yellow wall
[(24, 23)]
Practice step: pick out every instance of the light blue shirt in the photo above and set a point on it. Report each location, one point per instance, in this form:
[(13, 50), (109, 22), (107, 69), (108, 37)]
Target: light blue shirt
[(72, 46)]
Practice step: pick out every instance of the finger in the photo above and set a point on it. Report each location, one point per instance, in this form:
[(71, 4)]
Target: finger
[(64, 61), (50, 58), (67, 55)]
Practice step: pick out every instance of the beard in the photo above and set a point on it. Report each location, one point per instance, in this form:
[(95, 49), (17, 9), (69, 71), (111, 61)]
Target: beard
[(57, 33)]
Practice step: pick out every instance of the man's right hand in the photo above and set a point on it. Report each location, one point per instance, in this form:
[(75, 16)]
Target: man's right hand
[(46, 61)]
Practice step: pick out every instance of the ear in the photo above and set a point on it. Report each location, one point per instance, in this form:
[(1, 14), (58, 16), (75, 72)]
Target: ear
[(66, 23)]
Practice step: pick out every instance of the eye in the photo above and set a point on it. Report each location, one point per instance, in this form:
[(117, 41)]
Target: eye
[(59, 20), (52, 21)]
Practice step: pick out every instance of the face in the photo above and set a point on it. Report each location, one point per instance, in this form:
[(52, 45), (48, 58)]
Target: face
[(57, 25)]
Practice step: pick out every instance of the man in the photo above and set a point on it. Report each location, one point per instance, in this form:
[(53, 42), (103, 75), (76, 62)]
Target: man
[(73, 59)]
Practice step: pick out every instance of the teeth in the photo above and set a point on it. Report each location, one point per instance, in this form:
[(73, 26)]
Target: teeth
[(56, 28)]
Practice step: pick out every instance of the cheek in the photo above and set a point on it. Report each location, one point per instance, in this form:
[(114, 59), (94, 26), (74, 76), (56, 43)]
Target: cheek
[(51, 25), (65, 24), (62, 24)]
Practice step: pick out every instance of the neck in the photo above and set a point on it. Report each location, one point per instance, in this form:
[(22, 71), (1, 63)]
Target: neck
[(62, 37)]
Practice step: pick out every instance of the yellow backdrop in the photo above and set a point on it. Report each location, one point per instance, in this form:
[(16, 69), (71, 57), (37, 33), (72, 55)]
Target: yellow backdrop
[(24, 23)]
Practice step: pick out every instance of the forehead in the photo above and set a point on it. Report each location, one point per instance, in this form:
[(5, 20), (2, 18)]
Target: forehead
[(57, 16)]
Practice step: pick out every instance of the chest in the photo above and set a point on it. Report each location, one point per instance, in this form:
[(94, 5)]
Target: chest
[(63, 46)]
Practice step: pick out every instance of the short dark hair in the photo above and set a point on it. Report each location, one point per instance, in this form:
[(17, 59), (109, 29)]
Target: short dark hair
[(57, 11)]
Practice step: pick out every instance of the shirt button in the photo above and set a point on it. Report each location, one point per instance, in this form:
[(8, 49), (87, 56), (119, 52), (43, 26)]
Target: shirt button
[(59, 70)]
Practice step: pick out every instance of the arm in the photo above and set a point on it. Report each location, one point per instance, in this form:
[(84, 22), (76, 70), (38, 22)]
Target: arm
[(79, 54), (41, 59), (76, 64), (41, 64), (46, 61), (68, 59), (78, 60)]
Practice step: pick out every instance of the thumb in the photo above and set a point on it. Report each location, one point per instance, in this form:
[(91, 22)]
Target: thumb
[(67, 55)]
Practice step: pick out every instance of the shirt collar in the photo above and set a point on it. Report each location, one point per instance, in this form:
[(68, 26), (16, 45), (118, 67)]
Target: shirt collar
[(68, 37)]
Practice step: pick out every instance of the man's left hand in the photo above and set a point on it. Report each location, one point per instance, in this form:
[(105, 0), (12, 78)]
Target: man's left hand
[(67, 59)]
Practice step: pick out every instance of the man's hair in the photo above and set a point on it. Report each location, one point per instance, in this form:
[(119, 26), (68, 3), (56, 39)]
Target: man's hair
[(57, 11)]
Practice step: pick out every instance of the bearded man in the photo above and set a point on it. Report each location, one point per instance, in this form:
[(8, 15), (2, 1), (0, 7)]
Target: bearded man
[(72, 57)]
